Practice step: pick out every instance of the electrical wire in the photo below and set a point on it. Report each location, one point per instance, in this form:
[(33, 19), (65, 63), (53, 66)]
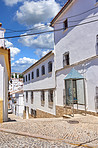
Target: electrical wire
[(78, 20), (57, 21), (41, 26), (23, 35), (79, 13)]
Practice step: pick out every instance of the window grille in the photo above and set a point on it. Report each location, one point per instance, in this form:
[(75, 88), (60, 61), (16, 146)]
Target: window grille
[(31, 97), (43, 70), (26, 96), (42, 98), (26, 78), (50, 98), (50, 66), (29, 76), (37, 73), (65, 59), (65, 24), (32, 75), (23, 79)]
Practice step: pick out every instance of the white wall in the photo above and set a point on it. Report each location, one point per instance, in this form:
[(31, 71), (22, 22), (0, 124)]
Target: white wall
[(43, 81), (80, 41), (37, 102), (4, 87), (90, 72)]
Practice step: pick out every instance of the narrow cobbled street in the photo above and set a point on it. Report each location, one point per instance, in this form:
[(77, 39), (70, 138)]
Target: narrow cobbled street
[(80, 131)]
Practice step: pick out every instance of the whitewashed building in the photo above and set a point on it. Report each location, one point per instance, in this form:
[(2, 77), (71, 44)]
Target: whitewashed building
[(74, 77), (5, 70), (39, 87), (17, 103)]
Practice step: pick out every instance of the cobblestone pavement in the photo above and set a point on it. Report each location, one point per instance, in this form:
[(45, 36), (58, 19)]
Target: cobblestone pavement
[(83, 130), (15, 141)]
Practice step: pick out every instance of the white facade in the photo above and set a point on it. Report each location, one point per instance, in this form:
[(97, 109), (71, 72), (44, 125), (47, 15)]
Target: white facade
[(15, 84), (4, 87), (80, 42), (44, 83), (18, 105)]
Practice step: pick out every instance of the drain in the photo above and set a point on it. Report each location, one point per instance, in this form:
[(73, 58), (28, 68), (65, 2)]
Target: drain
[(73, 122)]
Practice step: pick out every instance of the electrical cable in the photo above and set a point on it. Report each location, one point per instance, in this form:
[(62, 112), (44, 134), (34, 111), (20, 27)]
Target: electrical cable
[(48, 31)]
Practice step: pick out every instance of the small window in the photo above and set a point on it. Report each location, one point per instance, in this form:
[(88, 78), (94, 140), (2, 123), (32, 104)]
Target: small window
[(43, 70), (65, 59), (31, 112), (26, 96), (32, 75), (29, 76), (50, 98), (65, 24), (42, 98), (25, 109), (96, 1), (23, 79), (37, 73), (26, 78), (50, 66), (31, 97)]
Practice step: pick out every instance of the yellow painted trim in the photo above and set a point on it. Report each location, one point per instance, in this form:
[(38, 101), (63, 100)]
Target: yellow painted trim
[(6, 57)]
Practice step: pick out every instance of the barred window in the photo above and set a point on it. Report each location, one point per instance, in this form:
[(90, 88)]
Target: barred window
[(37, 73), (42, 98), (50, 66), (32, 75), (26, 96), (26, 78), (50, 98), (29, 76), (65, 24), (32, 112), (65, 59), (23, 79), (43, 70), (31, 97)]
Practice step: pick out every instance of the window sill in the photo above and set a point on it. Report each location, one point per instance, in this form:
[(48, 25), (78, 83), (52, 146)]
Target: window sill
[(51, 107), (65, 30)]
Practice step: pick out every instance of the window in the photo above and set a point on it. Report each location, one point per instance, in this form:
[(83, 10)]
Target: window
[(31, 112), (31, 97), (65, 24), (37, 73), (42, 98), (43, 70), (23, 79), (26, 78), (50, 66), (32, 75), (26, 96), (65, 59), (29, 76), (25, 109), (96, 1), (50, 98)]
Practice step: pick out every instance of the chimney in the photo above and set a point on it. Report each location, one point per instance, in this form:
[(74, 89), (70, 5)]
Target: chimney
[(2, 31)]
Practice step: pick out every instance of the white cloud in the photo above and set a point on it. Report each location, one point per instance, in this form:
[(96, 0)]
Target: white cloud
[(35, 12), (43, 41), (22, 64), (40, 53), (12, 2), (14, 51)]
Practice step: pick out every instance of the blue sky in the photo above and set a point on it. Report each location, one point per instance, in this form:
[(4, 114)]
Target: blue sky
[(26, 14)]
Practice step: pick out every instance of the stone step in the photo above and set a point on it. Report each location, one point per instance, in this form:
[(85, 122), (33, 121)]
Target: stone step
[(67, 116)]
